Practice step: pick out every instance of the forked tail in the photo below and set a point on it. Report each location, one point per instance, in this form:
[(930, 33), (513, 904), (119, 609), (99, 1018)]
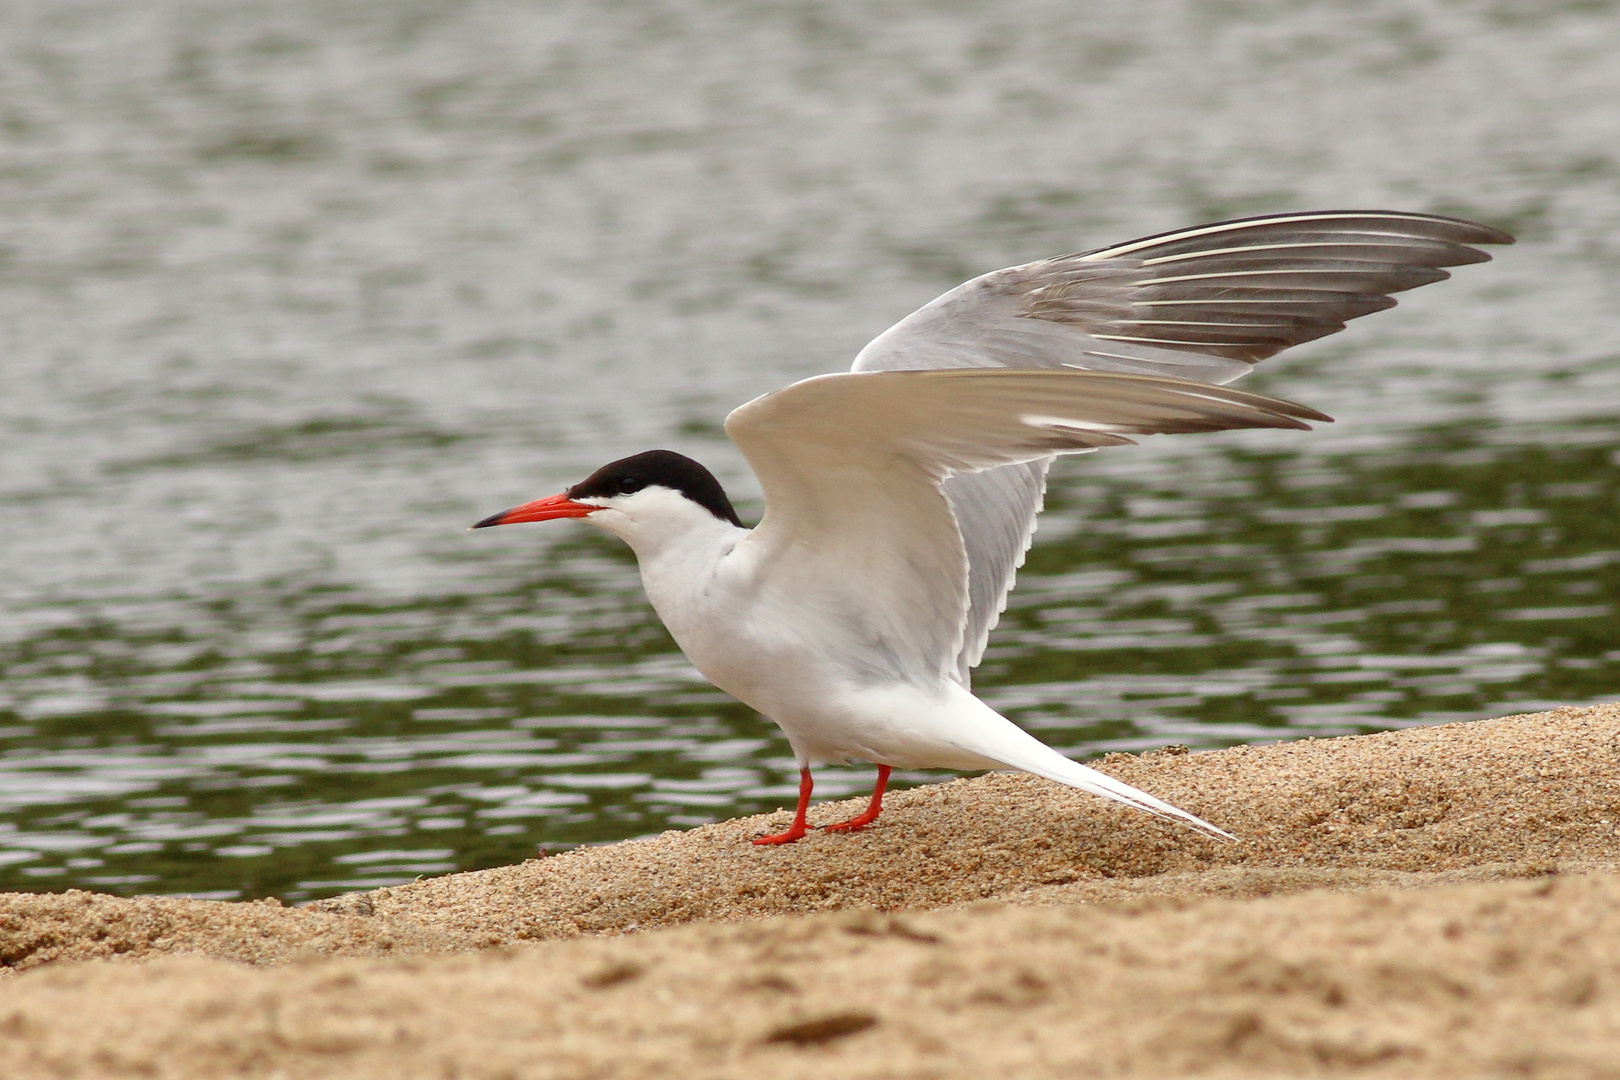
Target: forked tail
[(1076, 775), (1008, 744)]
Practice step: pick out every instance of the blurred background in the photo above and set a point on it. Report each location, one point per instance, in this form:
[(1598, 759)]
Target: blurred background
[(292, 292)]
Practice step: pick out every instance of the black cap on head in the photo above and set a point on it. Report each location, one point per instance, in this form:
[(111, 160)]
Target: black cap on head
[(664, 468)]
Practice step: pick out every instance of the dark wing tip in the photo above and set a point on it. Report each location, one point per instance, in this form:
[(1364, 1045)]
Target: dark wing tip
[(1287, 413), (1451, 230), (1248, 288), (1483, 234), (1305, 412), (1446, 226)]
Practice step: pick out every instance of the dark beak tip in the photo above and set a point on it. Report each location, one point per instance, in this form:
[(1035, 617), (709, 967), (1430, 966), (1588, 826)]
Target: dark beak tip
[(493, 519)]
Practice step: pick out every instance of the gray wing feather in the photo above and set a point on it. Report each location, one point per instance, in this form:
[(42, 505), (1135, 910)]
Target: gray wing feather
[(1202, 304), (996, 511)]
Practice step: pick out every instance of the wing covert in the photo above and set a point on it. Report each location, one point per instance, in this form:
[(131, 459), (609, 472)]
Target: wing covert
[(853, 467)]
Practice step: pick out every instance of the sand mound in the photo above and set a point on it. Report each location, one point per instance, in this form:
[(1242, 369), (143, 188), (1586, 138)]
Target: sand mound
[(1079, 938), (1464, 801), (1503, 978)]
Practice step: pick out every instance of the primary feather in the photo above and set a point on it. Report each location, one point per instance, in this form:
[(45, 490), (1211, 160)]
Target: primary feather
[(1201, 304)]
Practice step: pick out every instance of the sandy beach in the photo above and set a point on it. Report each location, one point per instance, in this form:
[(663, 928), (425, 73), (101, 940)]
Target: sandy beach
[(1437, 901)]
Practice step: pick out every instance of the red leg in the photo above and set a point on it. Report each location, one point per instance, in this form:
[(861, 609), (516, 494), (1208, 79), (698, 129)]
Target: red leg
[(798, 829), (873, 809)]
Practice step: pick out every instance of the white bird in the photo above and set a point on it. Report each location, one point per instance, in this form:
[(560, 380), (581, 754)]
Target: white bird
[(900, 497)]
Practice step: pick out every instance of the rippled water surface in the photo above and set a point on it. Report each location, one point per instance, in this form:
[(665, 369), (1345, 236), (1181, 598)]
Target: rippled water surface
[(289, 295)]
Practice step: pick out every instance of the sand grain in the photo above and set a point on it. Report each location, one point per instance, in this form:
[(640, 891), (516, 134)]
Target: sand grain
[(994, 925)]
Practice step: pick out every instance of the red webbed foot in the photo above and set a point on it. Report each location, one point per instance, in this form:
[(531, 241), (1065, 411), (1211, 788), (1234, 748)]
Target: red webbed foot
[(854, 824), (873, 809), (798, 830)]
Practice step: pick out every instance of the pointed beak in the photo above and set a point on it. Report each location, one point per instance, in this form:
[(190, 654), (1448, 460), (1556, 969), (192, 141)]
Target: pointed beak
[(556, 506)]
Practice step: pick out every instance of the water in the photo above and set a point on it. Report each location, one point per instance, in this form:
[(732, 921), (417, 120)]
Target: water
[(289, 296)]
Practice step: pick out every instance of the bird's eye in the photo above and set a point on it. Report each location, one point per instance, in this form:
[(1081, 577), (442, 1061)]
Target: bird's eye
[(630, 485)]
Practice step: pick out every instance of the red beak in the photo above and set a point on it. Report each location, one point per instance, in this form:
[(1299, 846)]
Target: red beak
[(556, 506)]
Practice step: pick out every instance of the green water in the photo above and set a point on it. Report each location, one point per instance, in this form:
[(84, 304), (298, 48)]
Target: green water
[(1248, 596), (291, 294)]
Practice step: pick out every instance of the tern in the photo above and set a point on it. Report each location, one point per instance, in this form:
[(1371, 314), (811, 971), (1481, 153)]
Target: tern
[(901, 496)]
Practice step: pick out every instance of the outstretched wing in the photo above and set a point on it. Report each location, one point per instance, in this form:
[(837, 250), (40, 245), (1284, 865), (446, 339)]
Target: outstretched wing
[(857, 531), (1202, 304)]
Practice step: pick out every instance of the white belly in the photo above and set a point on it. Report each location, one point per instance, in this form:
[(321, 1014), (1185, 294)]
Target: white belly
[(828, 715), (831, 685)]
